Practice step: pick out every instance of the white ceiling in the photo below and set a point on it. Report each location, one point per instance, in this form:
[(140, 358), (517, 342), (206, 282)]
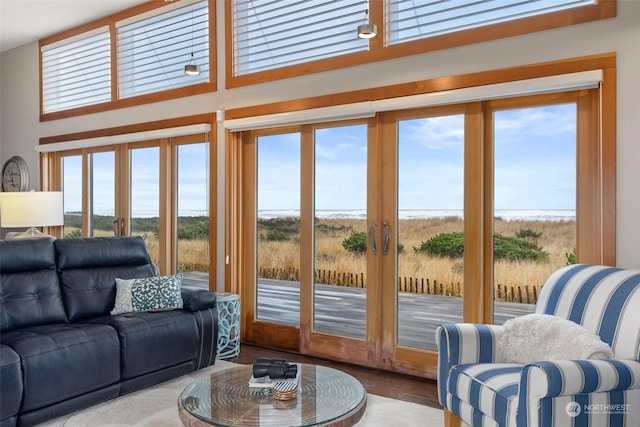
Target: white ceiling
[(25, 21)]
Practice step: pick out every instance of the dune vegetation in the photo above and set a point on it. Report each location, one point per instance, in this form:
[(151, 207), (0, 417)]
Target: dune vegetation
[(279, 249)]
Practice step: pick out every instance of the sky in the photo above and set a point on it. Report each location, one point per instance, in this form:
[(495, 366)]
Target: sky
[(534, 167), (534, 163), (192, 181)]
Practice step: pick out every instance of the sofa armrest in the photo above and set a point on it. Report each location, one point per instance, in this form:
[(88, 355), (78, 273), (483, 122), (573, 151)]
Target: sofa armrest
[(194, 299), (542, 381), (460, 343)]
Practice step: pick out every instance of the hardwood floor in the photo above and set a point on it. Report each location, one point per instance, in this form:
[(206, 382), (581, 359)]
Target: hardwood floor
[(381, 383)]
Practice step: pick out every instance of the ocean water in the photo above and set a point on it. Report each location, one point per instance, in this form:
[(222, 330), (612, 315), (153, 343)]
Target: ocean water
[(505, 214)]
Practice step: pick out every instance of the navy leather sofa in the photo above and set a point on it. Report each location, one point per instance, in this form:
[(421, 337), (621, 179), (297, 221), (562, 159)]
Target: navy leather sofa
[(61, 350)]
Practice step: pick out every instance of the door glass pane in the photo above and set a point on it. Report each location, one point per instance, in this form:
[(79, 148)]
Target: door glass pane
[(193, 212), (102, 194), (430, 226), (72, 195), (535, 203), (278, 228), (145, 196), (340, 231)]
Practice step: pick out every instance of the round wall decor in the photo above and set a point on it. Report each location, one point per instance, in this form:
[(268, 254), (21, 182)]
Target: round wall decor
[(15, 175)]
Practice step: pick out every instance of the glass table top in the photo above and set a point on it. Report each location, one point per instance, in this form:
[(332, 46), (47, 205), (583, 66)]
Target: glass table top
[(326, 397)]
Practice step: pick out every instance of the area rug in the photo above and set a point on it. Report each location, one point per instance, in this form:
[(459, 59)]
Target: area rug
[(157, 407)]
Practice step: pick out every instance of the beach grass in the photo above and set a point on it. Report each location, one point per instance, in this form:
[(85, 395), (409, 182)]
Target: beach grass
[(557, 238), (279, 249)]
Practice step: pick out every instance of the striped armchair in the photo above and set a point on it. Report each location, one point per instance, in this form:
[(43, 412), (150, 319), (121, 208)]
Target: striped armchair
[(577, 393)]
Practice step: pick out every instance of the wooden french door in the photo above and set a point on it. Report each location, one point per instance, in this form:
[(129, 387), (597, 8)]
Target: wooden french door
[(423, 184), (360, 237), (329, 218), (305, 187)]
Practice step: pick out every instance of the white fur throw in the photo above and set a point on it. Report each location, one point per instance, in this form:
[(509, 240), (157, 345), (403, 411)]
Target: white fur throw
[(536, 337)]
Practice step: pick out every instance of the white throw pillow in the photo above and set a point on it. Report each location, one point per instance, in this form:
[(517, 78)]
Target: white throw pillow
[(536, 337), (156, 293)]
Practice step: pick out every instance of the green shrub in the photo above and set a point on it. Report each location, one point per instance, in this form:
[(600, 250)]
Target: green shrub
[(289, 225), (74, 234), (193, 228), (279, 229), (514, 249), (571, 258), (275, 236), (356, 242), (528, 234), (451, 245)]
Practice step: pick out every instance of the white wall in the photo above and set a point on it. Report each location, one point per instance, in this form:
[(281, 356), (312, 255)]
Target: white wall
[(20, 128)]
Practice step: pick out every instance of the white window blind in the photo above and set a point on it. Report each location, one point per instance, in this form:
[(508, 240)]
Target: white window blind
[(558, 83), (77, 71), (270, 34), (413, 19), (201, 128), (153, 50)]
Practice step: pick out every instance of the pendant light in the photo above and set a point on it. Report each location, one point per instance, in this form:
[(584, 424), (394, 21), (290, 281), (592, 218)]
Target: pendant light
[(192, 69), (367, 30)]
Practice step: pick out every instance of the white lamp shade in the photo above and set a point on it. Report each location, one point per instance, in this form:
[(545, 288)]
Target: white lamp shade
[(31, 209)]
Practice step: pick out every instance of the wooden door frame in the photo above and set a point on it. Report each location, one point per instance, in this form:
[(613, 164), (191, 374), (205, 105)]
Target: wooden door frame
[(478, 173)]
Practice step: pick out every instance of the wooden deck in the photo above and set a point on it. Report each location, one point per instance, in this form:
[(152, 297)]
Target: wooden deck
[(341, 310)]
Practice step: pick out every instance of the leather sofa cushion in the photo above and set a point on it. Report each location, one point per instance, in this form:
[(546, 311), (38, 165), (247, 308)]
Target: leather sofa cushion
[(152, 341), (29, 289), (26, 255), (61, 361), (10, 382), (88, 269), (101, 252)]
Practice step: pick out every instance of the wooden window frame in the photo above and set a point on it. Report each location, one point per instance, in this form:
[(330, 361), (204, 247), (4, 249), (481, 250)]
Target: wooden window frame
[(479, 299), (380, 51), (51, 178), (116, 102)]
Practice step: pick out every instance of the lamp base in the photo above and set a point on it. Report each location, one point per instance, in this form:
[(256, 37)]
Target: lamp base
[(30, 233)]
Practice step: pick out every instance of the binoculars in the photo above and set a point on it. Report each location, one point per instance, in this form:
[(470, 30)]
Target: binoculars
[(274, 369)]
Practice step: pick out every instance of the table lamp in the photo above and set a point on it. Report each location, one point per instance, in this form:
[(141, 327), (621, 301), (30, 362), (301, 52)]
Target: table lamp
[(31, 209)]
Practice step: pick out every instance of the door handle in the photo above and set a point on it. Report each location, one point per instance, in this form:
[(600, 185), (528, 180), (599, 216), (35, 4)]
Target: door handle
[(118, 227), (385, 237), (373, 237)]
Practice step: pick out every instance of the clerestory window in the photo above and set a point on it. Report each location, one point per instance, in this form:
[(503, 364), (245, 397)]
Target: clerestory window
[(152, 51), (268, 34), (77, 71), (127, 59), (281, 39), (413, 20)]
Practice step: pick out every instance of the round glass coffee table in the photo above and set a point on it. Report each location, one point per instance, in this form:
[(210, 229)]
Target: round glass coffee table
[(326, 397)]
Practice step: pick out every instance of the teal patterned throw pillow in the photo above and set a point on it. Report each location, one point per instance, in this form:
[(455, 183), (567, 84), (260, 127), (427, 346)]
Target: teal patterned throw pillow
[(155, 293)]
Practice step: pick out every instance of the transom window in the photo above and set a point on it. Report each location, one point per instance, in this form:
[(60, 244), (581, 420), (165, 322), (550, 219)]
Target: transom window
[(77, 72), (152, 45), (152, 52), (412, 20), (277, 39), (270, 34)]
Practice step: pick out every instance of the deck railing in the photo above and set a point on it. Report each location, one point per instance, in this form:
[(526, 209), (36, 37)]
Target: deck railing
[(526, 294)]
